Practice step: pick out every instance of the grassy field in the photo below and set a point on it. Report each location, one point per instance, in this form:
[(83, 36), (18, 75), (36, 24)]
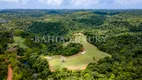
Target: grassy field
[(18, 41), (78, 61)]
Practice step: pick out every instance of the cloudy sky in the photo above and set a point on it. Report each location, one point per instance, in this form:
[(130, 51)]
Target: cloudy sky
[(70, 4)]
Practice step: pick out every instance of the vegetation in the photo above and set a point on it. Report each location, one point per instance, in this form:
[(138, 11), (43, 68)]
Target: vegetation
[(115, 32), (50, 28), (88, 53)]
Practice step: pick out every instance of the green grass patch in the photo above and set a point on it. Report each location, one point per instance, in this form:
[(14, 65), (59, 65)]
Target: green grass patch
[(18, 41), (78, 61)]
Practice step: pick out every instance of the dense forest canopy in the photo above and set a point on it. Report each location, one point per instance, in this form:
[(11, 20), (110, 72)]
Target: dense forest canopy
[(18, 48)]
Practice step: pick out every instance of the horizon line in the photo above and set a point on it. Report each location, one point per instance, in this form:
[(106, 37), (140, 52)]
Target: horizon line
[(67, 9)]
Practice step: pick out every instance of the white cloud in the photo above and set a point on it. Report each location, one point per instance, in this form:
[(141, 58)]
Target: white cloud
[(24, 1), (127, 2), (75, 3), (84, 2), (70, 2), (15, 1), (52, 2)]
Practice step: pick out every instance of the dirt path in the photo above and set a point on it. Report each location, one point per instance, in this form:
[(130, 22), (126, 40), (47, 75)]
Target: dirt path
[(10, 71)]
